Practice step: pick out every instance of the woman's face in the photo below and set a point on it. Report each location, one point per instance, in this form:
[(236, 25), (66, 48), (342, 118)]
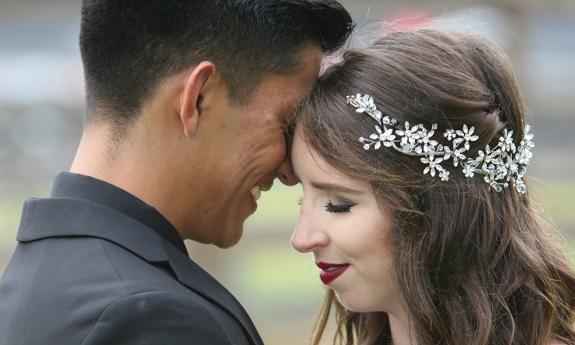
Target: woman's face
[(348, 233)]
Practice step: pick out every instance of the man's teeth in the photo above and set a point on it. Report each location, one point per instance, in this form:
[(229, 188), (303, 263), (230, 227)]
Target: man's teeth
[(256, 192)]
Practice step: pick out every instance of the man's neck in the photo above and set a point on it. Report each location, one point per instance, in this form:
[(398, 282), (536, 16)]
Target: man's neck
[(138, 171)]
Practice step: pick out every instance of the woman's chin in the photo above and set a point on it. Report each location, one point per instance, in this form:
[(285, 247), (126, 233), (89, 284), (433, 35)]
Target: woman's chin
[(350, 304), (358, 305)]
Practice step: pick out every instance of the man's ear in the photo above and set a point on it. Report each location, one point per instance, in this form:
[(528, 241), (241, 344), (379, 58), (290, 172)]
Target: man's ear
[(191, 98)]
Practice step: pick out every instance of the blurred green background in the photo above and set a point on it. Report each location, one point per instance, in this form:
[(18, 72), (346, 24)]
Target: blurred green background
[(41, 109)]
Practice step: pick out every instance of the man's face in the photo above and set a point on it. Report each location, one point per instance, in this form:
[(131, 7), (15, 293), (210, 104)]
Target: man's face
[(247, 150)]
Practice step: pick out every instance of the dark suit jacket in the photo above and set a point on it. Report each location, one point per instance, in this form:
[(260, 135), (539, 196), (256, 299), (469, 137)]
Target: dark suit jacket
[(83, 273)]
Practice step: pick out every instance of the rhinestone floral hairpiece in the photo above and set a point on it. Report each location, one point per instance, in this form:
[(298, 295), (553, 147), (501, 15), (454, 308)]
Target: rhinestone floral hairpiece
[(500, 166)]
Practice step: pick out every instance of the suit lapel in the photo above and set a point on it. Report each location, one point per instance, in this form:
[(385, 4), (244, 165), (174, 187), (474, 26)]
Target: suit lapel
[(195, 278), (67, 217)]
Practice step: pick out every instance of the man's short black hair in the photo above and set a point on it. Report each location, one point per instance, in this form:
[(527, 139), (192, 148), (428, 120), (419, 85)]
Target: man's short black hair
[(129, 46)]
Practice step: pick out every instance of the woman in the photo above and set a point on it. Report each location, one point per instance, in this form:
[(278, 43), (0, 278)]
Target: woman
[(411, 154)]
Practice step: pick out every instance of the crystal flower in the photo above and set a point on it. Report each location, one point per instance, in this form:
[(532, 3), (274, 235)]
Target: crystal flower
[(468, 171), (450, 134), (433, 164), (467, 135), (444, 175), (507, 140), (409, 135)]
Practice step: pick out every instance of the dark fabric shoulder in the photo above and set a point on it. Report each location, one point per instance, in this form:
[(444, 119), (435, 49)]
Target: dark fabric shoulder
[(156, 318)]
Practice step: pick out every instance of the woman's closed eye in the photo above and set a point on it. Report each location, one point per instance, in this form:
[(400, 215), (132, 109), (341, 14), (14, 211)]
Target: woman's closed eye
[(338, 208), (333, 208)]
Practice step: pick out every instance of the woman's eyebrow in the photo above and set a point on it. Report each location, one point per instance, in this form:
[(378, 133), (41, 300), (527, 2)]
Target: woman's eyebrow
[(331, 187)]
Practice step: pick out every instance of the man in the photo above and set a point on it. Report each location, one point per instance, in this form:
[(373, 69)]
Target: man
[(188, 102)]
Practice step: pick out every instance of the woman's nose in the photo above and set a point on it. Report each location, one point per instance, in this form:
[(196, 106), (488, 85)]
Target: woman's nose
[(306, 239)]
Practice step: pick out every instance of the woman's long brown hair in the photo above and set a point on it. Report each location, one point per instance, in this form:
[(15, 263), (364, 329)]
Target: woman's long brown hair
[(475, 266)]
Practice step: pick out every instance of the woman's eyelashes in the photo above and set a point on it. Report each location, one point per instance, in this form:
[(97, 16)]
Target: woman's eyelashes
[(333, 208), (338, 208)]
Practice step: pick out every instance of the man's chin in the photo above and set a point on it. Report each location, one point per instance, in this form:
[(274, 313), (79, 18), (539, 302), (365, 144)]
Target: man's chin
[(230, 238)]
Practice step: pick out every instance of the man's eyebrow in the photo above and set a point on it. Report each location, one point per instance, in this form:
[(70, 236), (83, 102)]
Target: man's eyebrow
[(331, 187)]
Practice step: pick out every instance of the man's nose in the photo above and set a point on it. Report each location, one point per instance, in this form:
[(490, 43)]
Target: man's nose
[(286, 174)]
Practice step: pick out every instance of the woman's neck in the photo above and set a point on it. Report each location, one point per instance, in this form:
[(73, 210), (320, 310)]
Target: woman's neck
[(400, 330)]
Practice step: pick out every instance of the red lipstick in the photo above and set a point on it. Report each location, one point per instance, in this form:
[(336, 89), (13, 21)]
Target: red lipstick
[(330, 272)]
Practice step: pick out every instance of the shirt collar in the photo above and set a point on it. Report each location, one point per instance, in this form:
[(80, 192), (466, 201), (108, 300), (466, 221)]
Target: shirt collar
[(71, 185)]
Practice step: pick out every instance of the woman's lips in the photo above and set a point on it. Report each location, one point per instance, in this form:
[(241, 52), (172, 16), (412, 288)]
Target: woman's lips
[(330, 272)]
